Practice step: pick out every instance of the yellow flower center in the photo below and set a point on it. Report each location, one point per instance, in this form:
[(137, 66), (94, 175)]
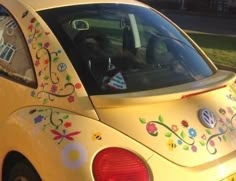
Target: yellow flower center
[(74, 155)]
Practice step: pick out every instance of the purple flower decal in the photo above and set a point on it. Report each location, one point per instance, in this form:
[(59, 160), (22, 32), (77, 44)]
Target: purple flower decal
[(38, 119)]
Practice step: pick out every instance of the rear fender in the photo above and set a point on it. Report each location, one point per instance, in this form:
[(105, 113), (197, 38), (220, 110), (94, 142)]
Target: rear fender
[(61, 144)]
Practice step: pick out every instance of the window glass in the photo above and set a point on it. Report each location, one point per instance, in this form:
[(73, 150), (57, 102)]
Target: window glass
[(15, 61), (123, 48)]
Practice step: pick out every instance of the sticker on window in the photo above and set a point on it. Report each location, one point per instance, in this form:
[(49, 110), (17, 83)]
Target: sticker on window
[(10, 24), (6, 52), (2, 18)]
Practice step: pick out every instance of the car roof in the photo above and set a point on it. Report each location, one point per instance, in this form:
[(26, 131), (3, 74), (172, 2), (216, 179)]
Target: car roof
[(48, 4)]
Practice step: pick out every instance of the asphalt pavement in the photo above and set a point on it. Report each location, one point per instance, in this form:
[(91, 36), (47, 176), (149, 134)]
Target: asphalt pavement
[(222, 25)]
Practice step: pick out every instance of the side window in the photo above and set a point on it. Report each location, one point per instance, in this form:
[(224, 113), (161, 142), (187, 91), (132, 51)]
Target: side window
[(15, 60)]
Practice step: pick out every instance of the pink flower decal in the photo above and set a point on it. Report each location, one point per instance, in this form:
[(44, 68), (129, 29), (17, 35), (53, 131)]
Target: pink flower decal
[(37, 63), (54, 88), (152, 129), (230, 111), (212, 143), (194, 148), (174, 128), (71, 99), (46, 45)]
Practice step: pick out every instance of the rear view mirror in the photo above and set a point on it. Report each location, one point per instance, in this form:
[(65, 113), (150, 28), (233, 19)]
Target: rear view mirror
[(80, 25)]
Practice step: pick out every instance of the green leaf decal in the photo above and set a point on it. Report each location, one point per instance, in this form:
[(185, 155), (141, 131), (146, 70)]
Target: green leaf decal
[(202, 143), (55, 59), (168, 134), (182, 134), (40, 35), (68, 77), (37, 24), (224, 138), (142, 120), (40, 110), (208, 131), (45, 101), (186, 147), (46, 77), (40, 44), (160, 118), (66, 116)]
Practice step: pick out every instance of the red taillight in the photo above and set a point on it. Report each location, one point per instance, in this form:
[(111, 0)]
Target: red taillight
[(113, 164)]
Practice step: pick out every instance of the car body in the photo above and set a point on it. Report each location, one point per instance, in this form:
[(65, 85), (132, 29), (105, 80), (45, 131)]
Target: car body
[(103, 90)]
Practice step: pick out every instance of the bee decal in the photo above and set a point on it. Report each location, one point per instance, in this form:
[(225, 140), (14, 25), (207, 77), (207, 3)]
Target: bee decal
[(222, 111), (97, 136), (171, 145)]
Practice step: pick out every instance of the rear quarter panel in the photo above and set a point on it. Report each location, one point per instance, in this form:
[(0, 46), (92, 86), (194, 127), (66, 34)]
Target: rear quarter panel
[(61, 145)]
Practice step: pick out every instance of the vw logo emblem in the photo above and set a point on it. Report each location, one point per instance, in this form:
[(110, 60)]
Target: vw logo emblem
[(207, 118)]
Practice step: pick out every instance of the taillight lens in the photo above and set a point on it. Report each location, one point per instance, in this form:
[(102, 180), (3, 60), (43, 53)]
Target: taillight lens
[(114, 164)]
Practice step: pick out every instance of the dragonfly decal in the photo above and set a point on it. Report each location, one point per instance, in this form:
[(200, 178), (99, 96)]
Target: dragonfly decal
[(61, 136)]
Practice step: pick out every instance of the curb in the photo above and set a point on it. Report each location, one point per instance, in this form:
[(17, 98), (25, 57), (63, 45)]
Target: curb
[(225, 67), (198, 13)]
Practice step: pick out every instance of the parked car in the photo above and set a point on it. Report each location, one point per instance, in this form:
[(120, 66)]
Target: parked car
[(109, 90)]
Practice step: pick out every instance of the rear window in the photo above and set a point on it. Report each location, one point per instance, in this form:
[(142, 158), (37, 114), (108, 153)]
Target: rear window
[(124, 48)]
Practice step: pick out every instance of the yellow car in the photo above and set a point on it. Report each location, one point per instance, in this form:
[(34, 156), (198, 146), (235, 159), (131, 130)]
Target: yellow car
[(107, 91)]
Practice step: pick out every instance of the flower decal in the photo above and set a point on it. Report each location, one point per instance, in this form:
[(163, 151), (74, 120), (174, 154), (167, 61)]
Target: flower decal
[(174, 128), (152, 129), (74, 155), (38, 119), (50, 65), (53, 88), (184, 124), (189, 138), (71, 99), (192, 132)]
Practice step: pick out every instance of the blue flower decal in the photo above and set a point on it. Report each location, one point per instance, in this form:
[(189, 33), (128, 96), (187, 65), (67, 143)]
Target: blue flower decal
[(192, 132)]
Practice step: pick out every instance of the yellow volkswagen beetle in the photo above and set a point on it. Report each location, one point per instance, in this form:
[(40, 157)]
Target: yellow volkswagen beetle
[(106, 91)]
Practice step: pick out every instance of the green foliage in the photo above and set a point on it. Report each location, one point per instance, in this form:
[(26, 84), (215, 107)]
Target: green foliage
[(220, 49)]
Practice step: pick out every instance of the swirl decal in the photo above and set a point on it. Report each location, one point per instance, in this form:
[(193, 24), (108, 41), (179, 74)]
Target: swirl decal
[(45, 52), (70, 88), (155, 133), (55, 82), (182, 135), (58, 123)]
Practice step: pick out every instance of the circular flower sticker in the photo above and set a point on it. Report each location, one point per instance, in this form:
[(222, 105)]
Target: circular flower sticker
[(74, 155)]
